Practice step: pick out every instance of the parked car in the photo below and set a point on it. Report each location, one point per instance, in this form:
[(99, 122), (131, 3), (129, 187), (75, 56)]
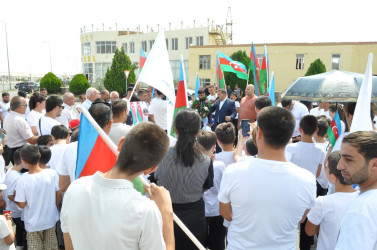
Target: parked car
[(16, 86), (28, 86)]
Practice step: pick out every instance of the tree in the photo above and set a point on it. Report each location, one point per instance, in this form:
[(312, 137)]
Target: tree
[(231, 78), (79, 84), (316, 67), (51, 82), (115, 79)]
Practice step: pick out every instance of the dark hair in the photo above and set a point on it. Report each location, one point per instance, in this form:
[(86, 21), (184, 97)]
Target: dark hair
[(225, 132), (323, 126), (52, 102), (207, 139), (277, 125), (262, 102), (101, 113), (129, 89), (45, 154), (75, 136), (309, 124), (59, 132), (251, 148), (4, 94), (44, 140), (144, 146), (286, 103), (35, 98), (332, 163), (365, 142), (188, 123), (21, 93), (17, 157), (341, 112), (103, 91), (118, 106), (81, 96), (200, 91), (30, 154), (223, 91), (351, 106), (15, 102), (158, 92), (134, 98), (43, 89)]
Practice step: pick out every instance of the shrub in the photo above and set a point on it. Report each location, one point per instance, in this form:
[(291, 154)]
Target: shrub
[(51, 82), (79, 84)]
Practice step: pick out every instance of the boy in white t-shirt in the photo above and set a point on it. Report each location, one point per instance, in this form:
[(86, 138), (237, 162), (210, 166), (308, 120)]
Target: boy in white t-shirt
[(38, 194), (216, 230), (266, 216), (6, 228), (225, 133), (327, 215)]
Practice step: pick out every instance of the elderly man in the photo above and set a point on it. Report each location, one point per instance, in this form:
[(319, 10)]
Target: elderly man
[(247, 105), (114, 95), (67, 114), (18, 129), (91, 95), (105, 95)]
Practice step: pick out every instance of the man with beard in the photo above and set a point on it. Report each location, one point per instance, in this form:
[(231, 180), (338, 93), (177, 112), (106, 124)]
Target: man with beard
[(5, 106)]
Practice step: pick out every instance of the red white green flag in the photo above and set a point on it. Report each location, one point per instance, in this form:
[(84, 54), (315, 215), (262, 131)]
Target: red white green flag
[(335, 129), (229, 65), (254, 66), (263, 80), (136, 111)]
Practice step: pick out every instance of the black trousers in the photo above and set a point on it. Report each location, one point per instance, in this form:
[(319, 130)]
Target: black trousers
[(321, 191), (8, 153), (20, 232), (305, 240), (215, 233)]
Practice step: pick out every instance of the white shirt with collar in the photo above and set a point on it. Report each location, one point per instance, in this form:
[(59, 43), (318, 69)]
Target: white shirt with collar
[(222, 102), (18, 129), (66, 116), (86, 104)]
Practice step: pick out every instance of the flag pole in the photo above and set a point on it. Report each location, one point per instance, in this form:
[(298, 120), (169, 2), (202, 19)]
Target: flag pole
[(248, 72), (113, 148)]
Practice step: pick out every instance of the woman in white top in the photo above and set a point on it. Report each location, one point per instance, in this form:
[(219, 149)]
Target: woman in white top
[(37, 104)]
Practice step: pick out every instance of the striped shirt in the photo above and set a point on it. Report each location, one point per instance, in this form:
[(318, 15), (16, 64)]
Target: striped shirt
[(185, 184)]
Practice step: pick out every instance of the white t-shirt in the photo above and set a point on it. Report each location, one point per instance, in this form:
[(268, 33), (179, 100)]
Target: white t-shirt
[(237, 103), (328, 212), (67, 165), (4, 232), (118, 130), (306, 155), (47, 124), (322, 178), (211, 97), (66, 116), (299, 110), (5, 108), (338, 142), (39, 192), (11, 179), (57, 152), (266, 216), (210, 196), (94, 204), (2, 169), (359, 230), (158, 109), (316, 111), (33, 118), (226, 157)]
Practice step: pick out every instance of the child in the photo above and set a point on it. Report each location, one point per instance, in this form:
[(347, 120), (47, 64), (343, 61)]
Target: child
[(6, 228), (45, 140), (37, 192), (45, 156), (328, 212), (216, 230), (246, 147), (225, 133), (11, 179)]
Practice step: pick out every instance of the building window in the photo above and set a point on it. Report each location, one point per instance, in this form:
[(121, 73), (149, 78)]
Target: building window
[(88, 71), (167, 44), (188, 42), (107, 47), (125, 47), (204, 81), (299, 61), (205, 62), (151, 42), (335, 61), (132, 47), (260, 59), (144, 46), (86, 49), (174, 43), (101, 69), (199, 41)]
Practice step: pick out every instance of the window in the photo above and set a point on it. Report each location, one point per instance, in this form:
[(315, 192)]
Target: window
[(188, 42), (299, 61), (204, 81), (125, 47), (335, 61), (167, 44), (151, 42), (86, 49), (144, 45), (260, 59), (199, 40), (205, 62), (132, 47), (88, 71), (101, 69), (174, 43), (107, 47), (175, 68)]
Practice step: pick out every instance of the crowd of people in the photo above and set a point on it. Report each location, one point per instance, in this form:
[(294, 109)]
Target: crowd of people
[(232, 189)]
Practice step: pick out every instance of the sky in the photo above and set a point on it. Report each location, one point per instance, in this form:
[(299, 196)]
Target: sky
[(34, 26)]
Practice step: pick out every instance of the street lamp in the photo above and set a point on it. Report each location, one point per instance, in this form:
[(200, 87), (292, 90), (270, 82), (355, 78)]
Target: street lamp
[(6, 41), (49, 49)]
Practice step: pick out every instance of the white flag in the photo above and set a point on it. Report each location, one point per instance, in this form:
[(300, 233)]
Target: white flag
[(361, 119)]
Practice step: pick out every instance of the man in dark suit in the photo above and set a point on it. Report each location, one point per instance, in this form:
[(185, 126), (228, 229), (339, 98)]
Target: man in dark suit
[(224, 107)]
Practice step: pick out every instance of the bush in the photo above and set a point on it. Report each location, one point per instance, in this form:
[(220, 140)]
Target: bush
[(79, 84), (316, 67), (51, 82)]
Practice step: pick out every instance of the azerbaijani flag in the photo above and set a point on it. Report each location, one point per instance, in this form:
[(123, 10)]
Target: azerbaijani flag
[(263, 80), (228, 65), (143, 58), (219, 75), (335, 129), (271, 90), (181, 98), (137, 112), (254, 66), (95, 150), (197, 86)]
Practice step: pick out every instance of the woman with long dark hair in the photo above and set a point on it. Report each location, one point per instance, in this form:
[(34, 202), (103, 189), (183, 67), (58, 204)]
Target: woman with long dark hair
[(186, 172), (37, 105)]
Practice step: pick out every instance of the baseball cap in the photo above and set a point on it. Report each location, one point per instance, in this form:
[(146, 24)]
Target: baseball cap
[(74, 123)]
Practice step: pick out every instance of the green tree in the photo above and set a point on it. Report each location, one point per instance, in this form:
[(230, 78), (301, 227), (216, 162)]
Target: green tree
[(115, 80), (316, 67), (231, 78), (79, 84), (51, 82)]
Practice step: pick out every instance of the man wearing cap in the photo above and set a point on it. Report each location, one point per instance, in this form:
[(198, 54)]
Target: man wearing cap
[(67, 114), (74, 125)]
